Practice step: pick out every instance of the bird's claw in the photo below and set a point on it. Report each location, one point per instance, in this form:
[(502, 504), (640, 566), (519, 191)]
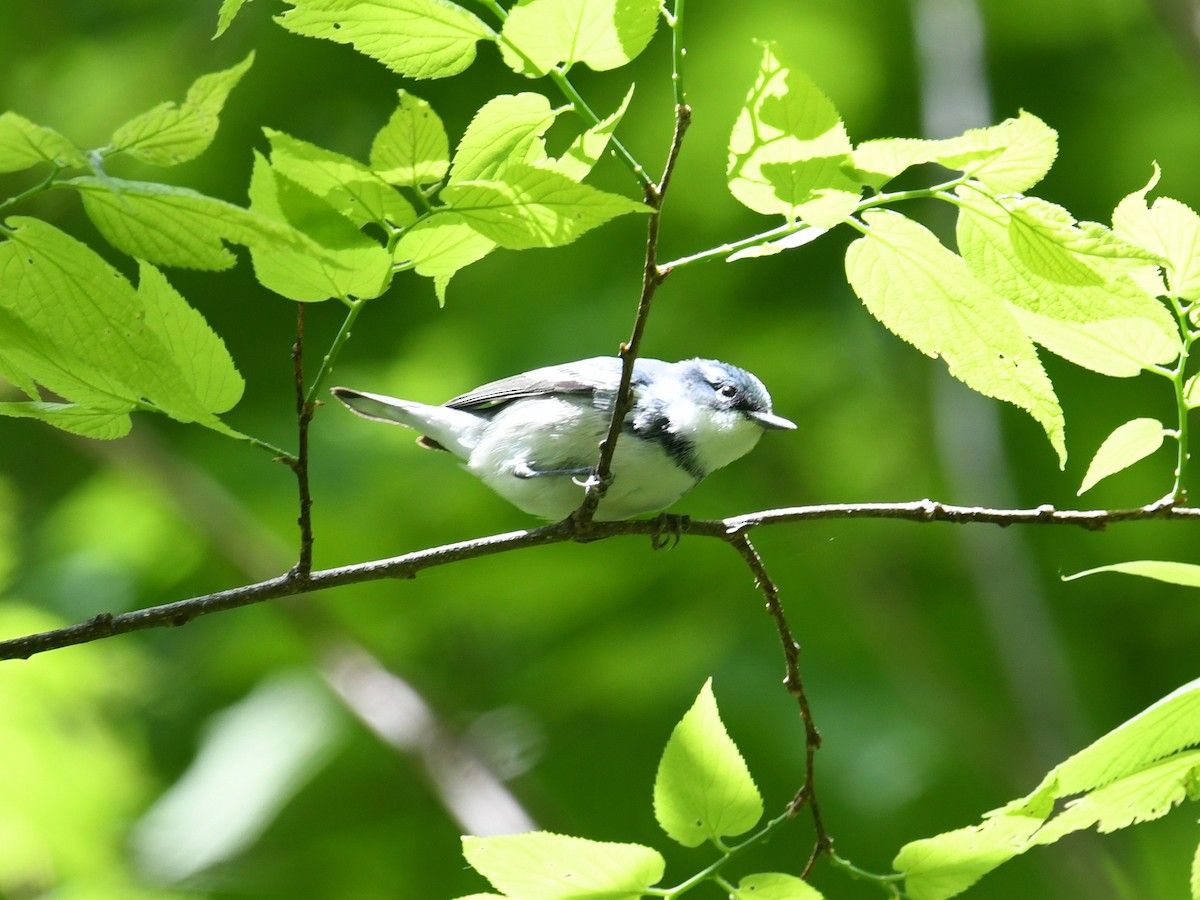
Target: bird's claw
[(669, 531)]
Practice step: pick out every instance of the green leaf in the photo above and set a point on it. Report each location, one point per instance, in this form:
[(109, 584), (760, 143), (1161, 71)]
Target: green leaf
[(347, 264), (414, 38), (877, 162), (1008, 158), (926, 295), (540, 35), (229, 11), (1128, 443), (774, 886), (789, 151), (78, 327), (1195, 881), (703, 790), (1191, 392), (439, 246), (586, 150), (24, 144), (344, 183), (175, 226), (507, 130), (947, 864), (533, 207), (1185, 574), (1066, 283), (412, 148), (542, 866), (170, 134), (1168, 229), (99, 424)]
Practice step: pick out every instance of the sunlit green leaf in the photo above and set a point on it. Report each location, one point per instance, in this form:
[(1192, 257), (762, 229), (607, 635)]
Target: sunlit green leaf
[(539, 35), (412, 148), (1167, 228), (348, 264), (228, 12), (1128, 443), (927, 295), (534, 207), (24, 144), (775, 886), (703, 790), (171, 133), (441, 245), (789, 152), (587, 149), (1008, 158), (1191, 392), (90, 422), (344, 183), (507, 130), (877, 162), (1186, 574), (543, 866), (414, 38), (947, 864)]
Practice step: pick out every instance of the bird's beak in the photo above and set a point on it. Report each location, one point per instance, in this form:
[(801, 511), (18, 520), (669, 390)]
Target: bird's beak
[(772, 422)]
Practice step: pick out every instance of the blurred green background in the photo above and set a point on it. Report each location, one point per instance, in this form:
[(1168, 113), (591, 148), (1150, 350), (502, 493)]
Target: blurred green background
[(337, 746)]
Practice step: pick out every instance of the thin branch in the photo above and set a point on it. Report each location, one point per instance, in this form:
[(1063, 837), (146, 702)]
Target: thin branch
[(299, 465), (410, 564)]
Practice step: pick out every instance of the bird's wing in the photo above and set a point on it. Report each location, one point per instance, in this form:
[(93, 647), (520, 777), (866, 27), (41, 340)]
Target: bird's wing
[(587, 376)]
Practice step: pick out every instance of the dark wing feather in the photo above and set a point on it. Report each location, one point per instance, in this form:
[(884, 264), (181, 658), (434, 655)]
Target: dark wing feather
[(599, 374)]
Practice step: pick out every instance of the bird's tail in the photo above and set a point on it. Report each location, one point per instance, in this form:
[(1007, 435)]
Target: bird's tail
[(442, 428)]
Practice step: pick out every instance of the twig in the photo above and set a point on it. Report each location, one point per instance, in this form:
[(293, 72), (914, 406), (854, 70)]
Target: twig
[(408, 565), (807, 795), (299, 465)]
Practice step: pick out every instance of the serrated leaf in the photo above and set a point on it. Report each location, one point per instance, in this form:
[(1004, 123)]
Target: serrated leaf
[(175, 226), (543, 866), (412, 148), (1008, 158), (788, 153), (1168, 229), (439, 246), (539, 35), (99, 424), (348, 264), (775, 886), (344, 183), (1186, 574), (170, 134), (24, 144), (877, 162), (926, 295), (414, 38), (534, 207), (1065, 285), (507, 130), (228, 12), (703, 790), (78, 327), (1128, 443), (586, 150), (946, 865)]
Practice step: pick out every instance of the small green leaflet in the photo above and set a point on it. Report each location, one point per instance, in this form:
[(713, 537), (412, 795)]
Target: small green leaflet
[(72, 323), (586, 150), (789, 151), (412, 148), (540, 35), (170, 134), (926, 295), (1168, 229), (344, 183), (1186, 574), (441, 245), (534, 207), (1137, 772), (24, 144), (346, 263), (774, 886), (542, 866), (1128, 443), (228, 12), (507, 129), (703, 790), (414, 38), (1007, 158)]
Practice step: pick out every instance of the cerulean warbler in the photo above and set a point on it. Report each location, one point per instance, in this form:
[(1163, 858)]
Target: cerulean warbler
[(534, 438)]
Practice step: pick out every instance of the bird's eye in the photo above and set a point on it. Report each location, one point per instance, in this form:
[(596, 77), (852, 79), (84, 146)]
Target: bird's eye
[(728, 391)]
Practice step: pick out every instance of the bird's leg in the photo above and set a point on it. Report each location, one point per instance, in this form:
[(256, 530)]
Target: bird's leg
[(671, 527)]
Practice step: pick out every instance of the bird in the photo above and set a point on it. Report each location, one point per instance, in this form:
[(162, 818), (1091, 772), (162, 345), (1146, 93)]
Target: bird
[(534, 438)]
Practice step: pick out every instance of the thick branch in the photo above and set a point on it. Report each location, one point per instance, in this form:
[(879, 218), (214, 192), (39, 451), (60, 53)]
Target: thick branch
[(408, 565)]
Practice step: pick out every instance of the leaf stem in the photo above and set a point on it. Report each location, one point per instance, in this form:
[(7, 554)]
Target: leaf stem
[(44, 185), (354, 307)]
